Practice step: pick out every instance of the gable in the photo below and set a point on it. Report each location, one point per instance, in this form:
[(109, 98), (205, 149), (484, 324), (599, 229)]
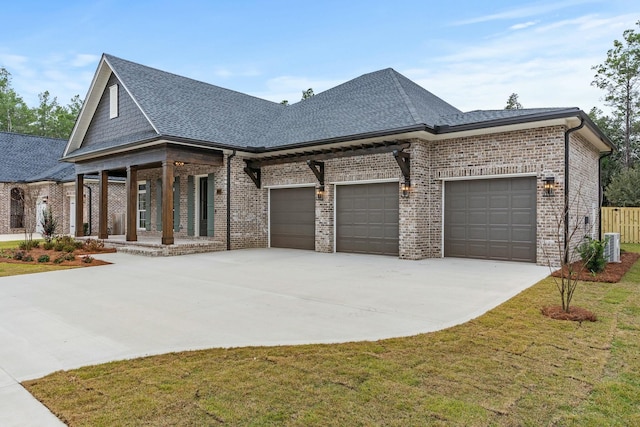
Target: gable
[(128, 125)]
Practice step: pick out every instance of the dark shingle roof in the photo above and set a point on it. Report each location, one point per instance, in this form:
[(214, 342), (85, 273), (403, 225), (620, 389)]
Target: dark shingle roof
[(483, 116), (32, 158), (378, 101), (186, 108)]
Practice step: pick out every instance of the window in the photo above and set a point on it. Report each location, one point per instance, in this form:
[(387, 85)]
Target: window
[(17, 208), (142, 205), (113, 101)]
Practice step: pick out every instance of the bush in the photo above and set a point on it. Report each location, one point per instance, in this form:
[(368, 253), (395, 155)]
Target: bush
[(93, 245), (58, 246), (18, 255), (87, 259), (592, 254), (48, 245), (43, 258), (69, 248), (49, 225), (27, 258), (27, 245), (59, 259)]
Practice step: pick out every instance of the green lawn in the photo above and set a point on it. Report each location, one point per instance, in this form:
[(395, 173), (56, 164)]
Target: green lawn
[(11, 269), (511, 367)]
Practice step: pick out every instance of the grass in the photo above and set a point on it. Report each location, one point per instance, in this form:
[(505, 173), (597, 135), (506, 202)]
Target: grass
[(511, 366), (11, 269)]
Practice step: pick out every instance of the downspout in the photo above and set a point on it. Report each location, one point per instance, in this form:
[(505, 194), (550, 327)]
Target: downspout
[(600, 195), (231, 156), (566, 187), (89, 209)]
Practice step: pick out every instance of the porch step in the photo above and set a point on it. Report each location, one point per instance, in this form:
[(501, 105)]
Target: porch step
[(140, 250)]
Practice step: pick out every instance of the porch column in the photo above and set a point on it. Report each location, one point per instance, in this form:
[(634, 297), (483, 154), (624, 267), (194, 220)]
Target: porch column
[(79, 205), (103, 205), (132, 204), (167, 203)]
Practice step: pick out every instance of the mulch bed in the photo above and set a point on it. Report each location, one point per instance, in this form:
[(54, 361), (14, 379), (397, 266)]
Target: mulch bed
[(576, 314), (77, 262), (612, 273)]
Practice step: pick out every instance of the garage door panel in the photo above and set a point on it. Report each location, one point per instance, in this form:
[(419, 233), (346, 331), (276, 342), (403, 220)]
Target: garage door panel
[(292, 218), (367, 218), (491, 219)]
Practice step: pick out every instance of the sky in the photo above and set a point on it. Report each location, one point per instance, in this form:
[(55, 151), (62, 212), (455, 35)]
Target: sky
[(472, 54)]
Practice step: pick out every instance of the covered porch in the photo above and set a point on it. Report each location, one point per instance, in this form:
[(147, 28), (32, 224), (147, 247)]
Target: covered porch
[(164, 156), (150, 246)]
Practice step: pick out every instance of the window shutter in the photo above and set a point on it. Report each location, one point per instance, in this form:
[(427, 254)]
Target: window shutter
[(210, 205), (190, 205), (159, 204), (176, 204), (147, 213)]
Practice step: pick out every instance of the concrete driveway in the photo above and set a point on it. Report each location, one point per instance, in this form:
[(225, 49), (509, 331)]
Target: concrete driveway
[(141, 306)]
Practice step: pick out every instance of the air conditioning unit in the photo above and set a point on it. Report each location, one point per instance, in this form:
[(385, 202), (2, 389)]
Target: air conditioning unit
[(612, 247)]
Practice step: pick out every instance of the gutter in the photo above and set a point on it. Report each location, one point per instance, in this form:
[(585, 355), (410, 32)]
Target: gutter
[(566, 186), (229, 157)]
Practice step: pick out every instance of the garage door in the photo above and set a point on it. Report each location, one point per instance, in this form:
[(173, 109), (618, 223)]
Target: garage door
[(292, 216), (491, 219), (367, 218)]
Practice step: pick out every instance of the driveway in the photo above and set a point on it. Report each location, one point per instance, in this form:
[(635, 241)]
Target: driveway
[(140, 306)]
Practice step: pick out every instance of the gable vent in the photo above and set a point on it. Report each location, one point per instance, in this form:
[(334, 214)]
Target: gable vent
[(113, 101)]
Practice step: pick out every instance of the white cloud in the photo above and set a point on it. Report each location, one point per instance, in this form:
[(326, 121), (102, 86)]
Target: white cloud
[(547, 65), (524, 12), (291, 87), (83, 59), (523, 25)]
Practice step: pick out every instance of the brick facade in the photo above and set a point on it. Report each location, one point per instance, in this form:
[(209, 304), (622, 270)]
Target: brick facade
[(58, 199)]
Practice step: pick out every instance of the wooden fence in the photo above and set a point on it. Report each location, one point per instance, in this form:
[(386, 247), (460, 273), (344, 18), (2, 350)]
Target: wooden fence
[(625, 221)]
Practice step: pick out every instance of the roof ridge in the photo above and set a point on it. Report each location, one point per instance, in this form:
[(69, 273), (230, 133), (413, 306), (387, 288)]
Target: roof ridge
[(412, 109), (34, 136), (189, 78)]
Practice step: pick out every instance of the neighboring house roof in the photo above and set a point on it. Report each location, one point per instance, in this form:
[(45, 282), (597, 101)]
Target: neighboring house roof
[(375, 104), (28, 158)]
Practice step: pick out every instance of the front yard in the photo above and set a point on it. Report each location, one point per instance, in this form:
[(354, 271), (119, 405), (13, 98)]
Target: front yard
[(511, 366)]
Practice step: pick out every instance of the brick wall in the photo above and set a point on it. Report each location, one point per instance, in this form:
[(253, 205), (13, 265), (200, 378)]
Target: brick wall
[(115, 199)]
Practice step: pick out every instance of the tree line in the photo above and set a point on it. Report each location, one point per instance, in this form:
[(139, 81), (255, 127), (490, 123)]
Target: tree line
[(48, 119), (619, 77)]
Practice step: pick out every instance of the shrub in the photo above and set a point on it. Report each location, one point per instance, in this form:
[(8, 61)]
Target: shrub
[(592, 254), (69, 257), (18, 255), (69, 248), (48, 245), (93, 245), (49, 225), (27, 245), (59, 259), (43, 258), (58, 246), (87, 259), (27, 258)]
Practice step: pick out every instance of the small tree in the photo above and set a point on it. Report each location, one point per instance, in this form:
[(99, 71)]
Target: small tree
[(49, 225), (624, 189), (28, 200), (569, 233), (513, 103), (306, 94)]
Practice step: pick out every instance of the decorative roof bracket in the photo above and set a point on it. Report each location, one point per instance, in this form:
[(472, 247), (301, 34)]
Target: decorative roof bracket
[(318, 170), (404, 161), (254, 173)]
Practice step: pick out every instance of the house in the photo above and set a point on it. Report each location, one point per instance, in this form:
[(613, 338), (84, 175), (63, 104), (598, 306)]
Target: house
[(376, 165), (32, 178)]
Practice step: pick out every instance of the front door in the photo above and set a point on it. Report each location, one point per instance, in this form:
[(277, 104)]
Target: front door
[(202, 207)]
